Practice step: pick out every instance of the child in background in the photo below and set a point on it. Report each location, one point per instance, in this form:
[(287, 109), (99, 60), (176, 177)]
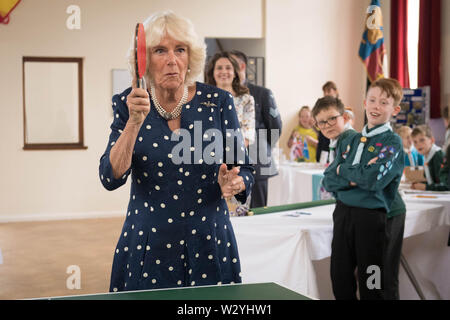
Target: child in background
[(349, 116), (329, 90), (303, 140), (434, 157), (368, 224), (412, 157)]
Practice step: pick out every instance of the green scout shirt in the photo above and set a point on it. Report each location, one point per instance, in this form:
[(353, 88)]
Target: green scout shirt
[(398, 205), (346, 134), (377, 184), (434, 165), (444, 175)]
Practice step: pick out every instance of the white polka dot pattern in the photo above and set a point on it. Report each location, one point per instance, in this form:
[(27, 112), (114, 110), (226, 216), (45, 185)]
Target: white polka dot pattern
[(177, 231)]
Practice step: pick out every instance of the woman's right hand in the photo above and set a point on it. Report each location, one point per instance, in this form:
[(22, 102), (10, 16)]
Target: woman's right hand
[(138, 102)]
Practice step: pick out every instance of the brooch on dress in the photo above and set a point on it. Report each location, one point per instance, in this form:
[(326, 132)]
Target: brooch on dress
[(208, 104)]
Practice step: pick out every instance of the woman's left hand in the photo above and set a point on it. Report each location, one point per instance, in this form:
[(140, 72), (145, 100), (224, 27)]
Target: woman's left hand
[(230, 182)]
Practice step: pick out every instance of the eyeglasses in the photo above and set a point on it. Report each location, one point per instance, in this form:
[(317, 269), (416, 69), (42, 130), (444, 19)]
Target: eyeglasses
[(330, 121)]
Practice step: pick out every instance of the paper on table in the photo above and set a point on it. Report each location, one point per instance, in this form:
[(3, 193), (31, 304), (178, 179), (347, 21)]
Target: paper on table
[(297, 214), (425, 192), (425, 196), (305, 165)]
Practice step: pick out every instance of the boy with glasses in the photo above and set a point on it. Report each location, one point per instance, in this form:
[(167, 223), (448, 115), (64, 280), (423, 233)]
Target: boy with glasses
[(328, 113)]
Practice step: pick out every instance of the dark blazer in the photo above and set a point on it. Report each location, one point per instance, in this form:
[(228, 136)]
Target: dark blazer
[(266, 117), (323, 145)]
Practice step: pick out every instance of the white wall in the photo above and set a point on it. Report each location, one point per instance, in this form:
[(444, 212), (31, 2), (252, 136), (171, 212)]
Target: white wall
[(65, 182), (307, 43), (386, 10), (251, 47)]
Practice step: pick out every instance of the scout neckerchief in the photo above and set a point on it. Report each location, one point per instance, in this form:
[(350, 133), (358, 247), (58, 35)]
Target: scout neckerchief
[(433, 150), (333, 143), (365, 135)]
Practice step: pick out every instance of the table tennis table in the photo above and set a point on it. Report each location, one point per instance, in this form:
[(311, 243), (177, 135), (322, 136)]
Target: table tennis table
[(254, 291)]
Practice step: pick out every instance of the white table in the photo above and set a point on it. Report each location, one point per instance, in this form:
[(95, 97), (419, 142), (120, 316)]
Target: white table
[(291, 250), (295, 182)]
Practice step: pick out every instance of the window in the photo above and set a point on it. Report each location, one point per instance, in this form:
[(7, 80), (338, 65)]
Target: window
[(413, 42)]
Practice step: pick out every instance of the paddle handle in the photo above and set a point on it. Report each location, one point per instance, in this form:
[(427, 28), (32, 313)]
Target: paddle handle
[(141, 83)]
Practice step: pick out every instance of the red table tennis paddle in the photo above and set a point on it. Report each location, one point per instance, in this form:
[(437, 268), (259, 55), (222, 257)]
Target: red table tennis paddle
[(140, 55)]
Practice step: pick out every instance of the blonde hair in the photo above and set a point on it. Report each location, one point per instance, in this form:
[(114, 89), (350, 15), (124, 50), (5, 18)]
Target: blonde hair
[(181, 29), (404, 130)]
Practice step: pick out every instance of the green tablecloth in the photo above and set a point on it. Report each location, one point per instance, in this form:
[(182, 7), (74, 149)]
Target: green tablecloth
[(256, 291), (293, 206)]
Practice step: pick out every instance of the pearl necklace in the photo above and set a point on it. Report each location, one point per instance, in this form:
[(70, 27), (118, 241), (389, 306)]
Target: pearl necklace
[(175, 112)]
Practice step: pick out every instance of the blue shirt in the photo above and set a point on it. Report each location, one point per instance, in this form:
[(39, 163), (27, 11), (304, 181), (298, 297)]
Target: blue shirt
[(418, 159)]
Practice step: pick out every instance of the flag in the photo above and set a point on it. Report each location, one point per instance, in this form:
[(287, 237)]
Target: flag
[(372, 50), (6, 6)]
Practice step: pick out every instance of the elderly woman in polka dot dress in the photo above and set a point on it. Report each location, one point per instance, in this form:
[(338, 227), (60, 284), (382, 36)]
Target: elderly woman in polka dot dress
[(175, 141)]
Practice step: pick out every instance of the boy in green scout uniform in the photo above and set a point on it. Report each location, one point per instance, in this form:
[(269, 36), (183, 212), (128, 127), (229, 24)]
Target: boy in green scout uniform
[(434, 158), (364, 179), (328, 115)]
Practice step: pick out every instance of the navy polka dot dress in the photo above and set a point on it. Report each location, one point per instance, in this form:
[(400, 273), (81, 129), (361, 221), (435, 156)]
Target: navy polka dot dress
[(177, 230)]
